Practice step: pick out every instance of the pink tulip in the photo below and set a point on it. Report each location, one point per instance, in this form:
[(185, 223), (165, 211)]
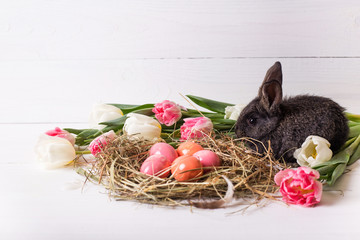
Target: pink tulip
[(299, 186), (195, 128), (98, 144), (58, 132), (167, 112)]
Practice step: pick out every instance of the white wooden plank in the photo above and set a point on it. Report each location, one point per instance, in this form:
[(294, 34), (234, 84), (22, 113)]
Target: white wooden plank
[(123, 29), (64, 91)]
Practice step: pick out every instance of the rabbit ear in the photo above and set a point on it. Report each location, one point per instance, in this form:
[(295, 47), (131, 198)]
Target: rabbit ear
[(270, 92)]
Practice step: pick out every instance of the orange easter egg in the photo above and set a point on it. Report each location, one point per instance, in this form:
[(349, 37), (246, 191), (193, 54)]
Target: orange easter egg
[(186, 168), (188, 148)]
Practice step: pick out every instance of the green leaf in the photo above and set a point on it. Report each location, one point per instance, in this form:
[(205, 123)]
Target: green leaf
[(223, 121), (325, 170), (116, 122), (339, 170), (355, 156), (209, 104), (74, 131), (340, 157), (354, 131), (223, 127), (324, 177), (128, 108), (334, 168), (351, 149), (348, 143), (145, 111), (353, 124), (166, 130), (86, 135), (195, 113)]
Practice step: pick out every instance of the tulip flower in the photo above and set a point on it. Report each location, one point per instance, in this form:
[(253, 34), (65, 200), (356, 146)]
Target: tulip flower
[(299, 186), (103, 113), (167, 112), (58, 132), (195, 128), (233, 112), (54, 152), (313, 151), (138, 125), (100, 142)]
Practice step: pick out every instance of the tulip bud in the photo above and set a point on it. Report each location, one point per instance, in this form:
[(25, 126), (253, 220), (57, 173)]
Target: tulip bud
[(167, 112), (103, 113), (313, 151), (54, 152), (100, 142), (195, 128), (233, 112), (299, 186), (58, 132), (138, 125)]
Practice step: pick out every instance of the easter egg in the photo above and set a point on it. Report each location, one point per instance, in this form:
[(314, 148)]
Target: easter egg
[(164, 149), (186, 168), (156, 165), (188, 148), (208, 159)]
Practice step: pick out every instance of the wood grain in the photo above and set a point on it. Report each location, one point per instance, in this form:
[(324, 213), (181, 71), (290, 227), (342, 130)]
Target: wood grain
[(141, 29), (64, 91)]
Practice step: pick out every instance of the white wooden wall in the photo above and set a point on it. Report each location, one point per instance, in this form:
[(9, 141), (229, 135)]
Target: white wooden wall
[(57, 56)]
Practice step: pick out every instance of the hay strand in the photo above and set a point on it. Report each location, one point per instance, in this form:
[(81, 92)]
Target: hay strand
[(244, 173)]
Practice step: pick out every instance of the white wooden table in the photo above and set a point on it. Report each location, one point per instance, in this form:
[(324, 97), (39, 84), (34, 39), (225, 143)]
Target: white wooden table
[(58, 58)]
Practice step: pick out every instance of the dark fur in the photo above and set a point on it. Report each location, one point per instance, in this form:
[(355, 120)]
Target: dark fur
[(287, 122)]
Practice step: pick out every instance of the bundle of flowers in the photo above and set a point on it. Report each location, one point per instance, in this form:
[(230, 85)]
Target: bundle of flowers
[(170, 155)]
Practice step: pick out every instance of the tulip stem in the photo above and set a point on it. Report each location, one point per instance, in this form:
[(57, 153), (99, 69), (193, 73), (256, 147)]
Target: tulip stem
[(82, 152)]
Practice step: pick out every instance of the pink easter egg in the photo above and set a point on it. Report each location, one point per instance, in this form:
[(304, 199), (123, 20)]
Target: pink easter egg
[(208, 159), (164, 149), (156, 165)]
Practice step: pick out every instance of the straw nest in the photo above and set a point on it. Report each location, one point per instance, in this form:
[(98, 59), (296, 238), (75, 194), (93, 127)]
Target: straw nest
[(244, 174)]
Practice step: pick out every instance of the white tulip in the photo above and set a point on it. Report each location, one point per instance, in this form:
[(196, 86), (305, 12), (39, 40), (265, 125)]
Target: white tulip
[(138, 125), (103, 113), (233, 112), (313, 151), (54, 152)]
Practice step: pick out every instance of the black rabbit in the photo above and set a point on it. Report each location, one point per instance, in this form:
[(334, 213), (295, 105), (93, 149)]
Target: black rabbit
[(287, 122)]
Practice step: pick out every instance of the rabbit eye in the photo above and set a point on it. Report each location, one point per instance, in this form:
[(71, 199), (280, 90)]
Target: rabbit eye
[(252, 121)]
